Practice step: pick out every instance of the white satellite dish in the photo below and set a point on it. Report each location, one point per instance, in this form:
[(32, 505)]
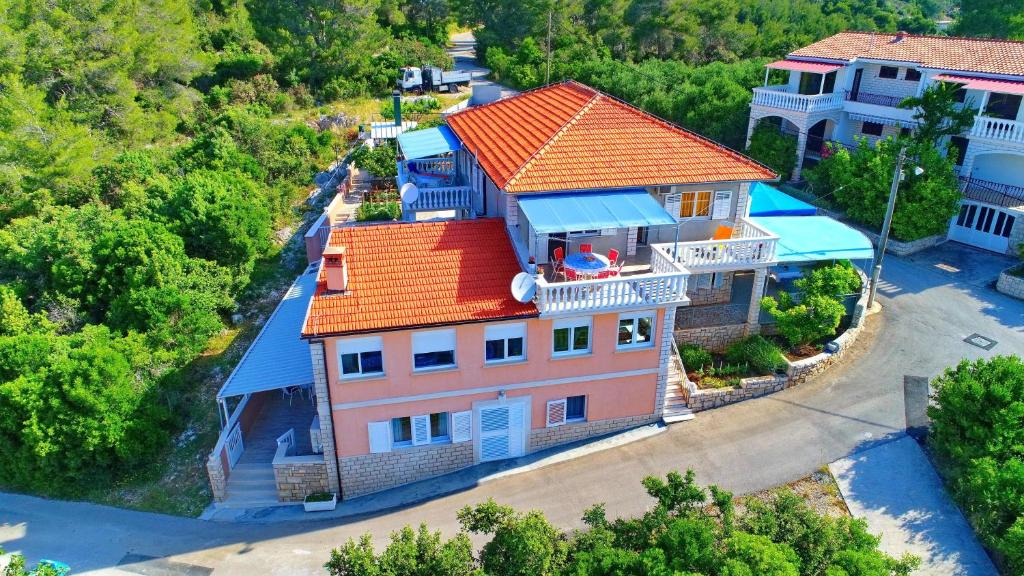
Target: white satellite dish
[(524, 287), (409, 192)]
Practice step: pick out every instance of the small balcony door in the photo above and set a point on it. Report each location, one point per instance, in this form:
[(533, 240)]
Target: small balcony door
[(1005, 106)]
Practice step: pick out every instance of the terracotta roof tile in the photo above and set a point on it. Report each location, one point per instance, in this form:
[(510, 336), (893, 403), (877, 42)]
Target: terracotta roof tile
[(984, 55), (568, 136), (419, 274)]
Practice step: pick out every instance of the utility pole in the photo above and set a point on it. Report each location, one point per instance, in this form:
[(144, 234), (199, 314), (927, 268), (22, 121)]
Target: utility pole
[(884, 238), (547, 76)]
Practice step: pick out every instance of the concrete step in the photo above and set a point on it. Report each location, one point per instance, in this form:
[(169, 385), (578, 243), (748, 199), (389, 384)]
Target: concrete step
[(677, 415)]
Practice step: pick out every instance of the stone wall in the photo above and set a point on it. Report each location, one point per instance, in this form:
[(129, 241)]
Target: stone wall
[(697, 399), (368, 473), (713, 338), (715, 315), (541, 438), (1010, 284), (217, 472), (702, 296), (300, 476), (900, 248)]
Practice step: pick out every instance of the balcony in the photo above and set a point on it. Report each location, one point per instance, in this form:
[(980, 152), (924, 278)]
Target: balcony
[(875, 99), (435, 180), (750, 247), (783, 98), (996, 193), (664, 284), (993, 128)]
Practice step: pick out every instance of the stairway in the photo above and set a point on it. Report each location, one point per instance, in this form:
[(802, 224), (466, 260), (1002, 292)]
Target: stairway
[(251, 485), (675, 409)]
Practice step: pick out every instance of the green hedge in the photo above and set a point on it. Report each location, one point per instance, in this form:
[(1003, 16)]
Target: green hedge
[(761, 355), (377, 211)]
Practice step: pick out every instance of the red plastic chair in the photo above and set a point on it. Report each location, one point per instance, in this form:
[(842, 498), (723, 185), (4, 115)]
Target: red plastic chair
[(587, 248), (569, 273), (613, 256), (558, 267)]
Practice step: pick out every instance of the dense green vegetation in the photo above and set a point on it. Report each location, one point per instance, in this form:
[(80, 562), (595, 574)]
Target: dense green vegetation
[(690, 530), (814, 311), (977, 433)]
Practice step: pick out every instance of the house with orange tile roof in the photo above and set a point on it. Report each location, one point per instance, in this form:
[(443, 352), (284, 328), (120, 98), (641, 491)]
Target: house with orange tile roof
[(849, 86), (554, 246)]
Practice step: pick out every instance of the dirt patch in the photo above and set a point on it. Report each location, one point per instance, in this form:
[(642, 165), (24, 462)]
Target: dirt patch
[(819, 491)]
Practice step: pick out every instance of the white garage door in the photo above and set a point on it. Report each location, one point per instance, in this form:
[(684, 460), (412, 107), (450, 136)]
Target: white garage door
[(501, 432), (983, 226)]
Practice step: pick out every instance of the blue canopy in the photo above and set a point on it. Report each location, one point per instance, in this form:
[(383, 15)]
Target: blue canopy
[(428, 142), (815, 238), (568, 211), (767, 200)]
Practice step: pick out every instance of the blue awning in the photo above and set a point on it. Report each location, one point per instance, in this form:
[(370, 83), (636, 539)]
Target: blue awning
[(552, 213), (279, 357), (767, 200), (815, 238), (428, 142)]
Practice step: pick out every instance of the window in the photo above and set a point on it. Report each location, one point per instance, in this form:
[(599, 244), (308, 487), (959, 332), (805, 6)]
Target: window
[(905, 131), (695, 205), (871, 128), (505, 343), (636, 330), (418, 430), (361, 357), (434, 349), (578, 233), (960, 143), (912, 75), (571, 336), (888, 72), (960, 95), (575, 408), (810, 83), (1003, 106)]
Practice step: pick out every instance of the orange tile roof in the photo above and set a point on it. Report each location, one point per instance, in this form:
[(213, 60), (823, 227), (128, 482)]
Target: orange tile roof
[(419, 274), (984, 55), (568, 136)]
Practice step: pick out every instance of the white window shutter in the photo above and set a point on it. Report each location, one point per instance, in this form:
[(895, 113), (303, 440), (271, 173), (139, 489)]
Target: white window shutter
[(380, 437), (722, 207), (672, 204), (420, 430), (462, 426), (556, 412)]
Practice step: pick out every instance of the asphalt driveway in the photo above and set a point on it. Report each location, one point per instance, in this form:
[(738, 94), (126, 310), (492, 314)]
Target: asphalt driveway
[(932, 302)]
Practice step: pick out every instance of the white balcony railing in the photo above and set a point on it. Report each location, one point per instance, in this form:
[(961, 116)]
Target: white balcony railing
[(437, 166), (447, 198), (753, 246), (782, 97), (998, 129), (609, 294)]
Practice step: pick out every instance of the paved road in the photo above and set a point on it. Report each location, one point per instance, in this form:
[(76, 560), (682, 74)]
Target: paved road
[(462, 49), (932, 302)]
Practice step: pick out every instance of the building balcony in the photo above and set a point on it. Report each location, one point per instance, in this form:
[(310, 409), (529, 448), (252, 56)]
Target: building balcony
[(783, 98), (995, 193), (436, 182), (661, 282), (750, 247), (997, 129)]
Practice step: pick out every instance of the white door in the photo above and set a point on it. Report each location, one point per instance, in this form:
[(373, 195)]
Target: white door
[(983, 226), (501, 431)]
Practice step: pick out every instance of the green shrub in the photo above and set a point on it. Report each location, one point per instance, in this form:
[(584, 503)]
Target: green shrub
[(381, 160), (836, 279), (815, 318), (376, 211), (694, 357), (977, 434), (773, 149), (760, 354)]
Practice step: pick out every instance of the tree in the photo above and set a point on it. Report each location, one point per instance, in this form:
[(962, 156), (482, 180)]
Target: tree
[(520, 545), (816, 317), (938, 114), (977, 431), (836, 279), (410, 553), (773, 149), (991, 18)]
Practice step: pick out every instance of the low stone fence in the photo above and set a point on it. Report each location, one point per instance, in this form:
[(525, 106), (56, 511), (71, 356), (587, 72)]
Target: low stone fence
[(298, 476), (1010, 285), (900, 248), (797, 371)]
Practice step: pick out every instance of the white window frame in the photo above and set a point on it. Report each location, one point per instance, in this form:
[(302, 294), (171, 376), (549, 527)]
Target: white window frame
[(434, 341), (358, 346), (693, 205), (418, 440), (504, 332), (723, 199), (572, 324), (635, 317)]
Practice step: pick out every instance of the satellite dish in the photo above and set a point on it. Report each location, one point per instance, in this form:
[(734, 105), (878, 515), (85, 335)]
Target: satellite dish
[(409, 192), (524, 287)]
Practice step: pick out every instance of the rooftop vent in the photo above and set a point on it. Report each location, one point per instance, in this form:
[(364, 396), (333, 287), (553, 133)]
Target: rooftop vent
[(900, 36)]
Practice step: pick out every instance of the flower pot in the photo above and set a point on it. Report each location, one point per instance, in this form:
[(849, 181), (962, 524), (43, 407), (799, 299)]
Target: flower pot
[(321, 506)]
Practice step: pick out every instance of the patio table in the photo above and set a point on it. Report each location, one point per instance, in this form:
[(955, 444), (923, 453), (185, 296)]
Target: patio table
[(587, 264)]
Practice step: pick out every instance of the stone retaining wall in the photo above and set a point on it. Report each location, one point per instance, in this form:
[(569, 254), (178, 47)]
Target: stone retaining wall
[(216, 470), (713, 338), (901, 248), (697, 399), (300, 476), (541, 438), (1010, 285), (720, 295), (368, 473)]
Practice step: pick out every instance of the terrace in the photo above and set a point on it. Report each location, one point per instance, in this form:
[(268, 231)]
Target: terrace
[(427, 175)]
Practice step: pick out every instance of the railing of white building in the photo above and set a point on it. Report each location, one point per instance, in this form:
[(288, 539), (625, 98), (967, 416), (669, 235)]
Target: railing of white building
[(752, 246), (782, 97), (998, 129), (447, 198)]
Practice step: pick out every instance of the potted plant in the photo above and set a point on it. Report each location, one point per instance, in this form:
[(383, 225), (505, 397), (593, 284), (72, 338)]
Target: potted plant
[(320, 502)]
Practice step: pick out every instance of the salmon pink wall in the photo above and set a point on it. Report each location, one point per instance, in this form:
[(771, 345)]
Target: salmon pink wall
[(609, 398)]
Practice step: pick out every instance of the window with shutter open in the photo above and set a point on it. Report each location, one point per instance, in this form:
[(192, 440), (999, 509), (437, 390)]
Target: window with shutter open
[(420, 430), (722, 207), (556, 412), (380, 436)]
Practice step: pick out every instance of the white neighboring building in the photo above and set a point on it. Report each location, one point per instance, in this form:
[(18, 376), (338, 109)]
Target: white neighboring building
[(850, 85)]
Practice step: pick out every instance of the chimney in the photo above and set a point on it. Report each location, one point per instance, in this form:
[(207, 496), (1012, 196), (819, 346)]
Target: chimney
[(396, 101), (336, 268), (900, 36)]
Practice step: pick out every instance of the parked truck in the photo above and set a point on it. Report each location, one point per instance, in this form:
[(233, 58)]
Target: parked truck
[(432, 79)]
